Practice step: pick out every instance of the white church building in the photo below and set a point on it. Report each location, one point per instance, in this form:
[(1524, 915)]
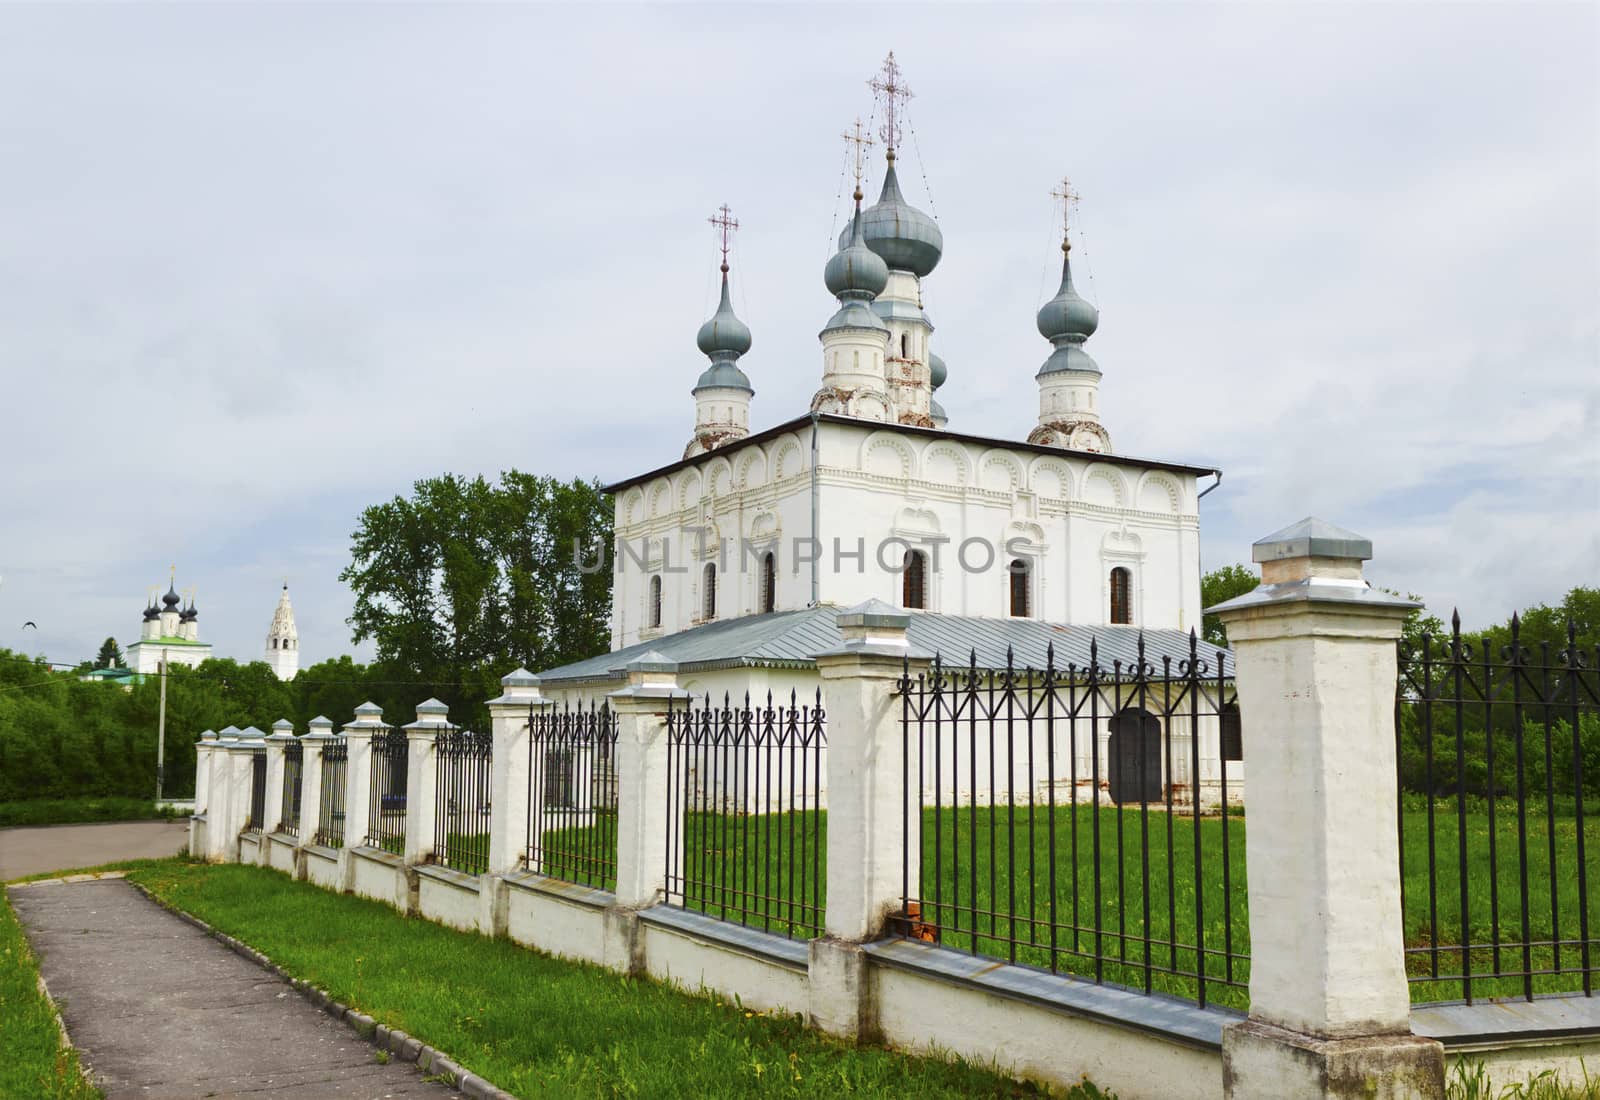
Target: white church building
[(170, 632), (735, 560)]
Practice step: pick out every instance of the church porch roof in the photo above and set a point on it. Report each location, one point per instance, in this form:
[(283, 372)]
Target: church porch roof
[(790, 639)]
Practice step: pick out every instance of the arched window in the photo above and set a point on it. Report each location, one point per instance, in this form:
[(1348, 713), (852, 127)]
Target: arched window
[(905, 346), (655, 602), (1121, 596), (914, 581), (710, 604), (769, 582), (1019, 588), (274, 643)]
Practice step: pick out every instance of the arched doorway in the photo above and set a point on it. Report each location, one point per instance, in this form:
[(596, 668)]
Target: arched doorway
[(1134, 767)]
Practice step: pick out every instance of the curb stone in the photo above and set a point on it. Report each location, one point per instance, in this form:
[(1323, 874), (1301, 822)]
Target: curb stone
[(402, 1046)]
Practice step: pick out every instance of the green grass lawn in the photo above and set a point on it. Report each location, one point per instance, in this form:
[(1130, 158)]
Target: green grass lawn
[(733, 861), (33, 1062), (71, 811), (538, 1026)]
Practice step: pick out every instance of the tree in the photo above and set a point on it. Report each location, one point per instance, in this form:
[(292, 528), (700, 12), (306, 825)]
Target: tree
[(110, 654), (464, 580), (1217, 586)]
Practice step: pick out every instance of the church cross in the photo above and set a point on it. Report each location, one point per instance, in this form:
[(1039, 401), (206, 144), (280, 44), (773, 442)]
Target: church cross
[(892, 88), (860, 139), (725, 224), (1068, 198)]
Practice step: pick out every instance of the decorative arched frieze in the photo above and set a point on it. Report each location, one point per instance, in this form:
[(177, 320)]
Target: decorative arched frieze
[(947, 464), (1104, 484), (888, 455), (660, 491), (689, 488), (632, 507), (1158, 493), (1051, 478), (787, 459), (1000, 471), (750, 469), (718, 477)]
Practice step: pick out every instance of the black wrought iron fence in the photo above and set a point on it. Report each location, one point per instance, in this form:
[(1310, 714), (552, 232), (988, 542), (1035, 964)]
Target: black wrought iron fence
[(1498, 746), (386, 810), (746, 813), (330, 808), (1081, 818), (293, 774), (461, 800), (572, 794), (258, 790)]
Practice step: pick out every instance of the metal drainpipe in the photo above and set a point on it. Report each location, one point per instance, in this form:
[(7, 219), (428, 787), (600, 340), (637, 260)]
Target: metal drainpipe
[(816, 547), (1200, 569)]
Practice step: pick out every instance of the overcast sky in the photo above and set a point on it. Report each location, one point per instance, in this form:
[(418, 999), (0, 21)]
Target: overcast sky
[(261, 266)]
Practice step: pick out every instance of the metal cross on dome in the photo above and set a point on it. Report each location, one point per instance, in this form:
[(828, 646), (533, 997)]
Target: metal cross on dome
[(1068, 198), (725, 224), (892, 88), (860, 139)]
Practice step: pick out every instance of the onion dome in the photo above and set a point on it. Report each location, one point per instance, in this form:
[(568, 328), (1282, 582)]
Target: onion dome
[(1067, 320), (171, 599), (152, 613), (936, 371), (906, 238), (724, 338), (855, 275), (189, 614)]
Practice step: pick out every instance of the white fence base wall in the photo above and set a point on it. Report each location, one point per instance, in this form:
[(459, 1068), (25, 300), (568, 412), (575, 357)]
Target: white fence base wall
[(557, 918), (322, 867), (378, 875), (1507, 1066), (449, 897), (281, 851), (249, 845), (197, 836), (695, 961), (931, 1015)]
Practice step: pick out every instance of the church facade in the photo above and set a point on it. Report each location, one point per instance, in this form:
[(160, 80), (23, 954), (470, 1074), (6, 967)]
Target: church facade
[(735, 560)]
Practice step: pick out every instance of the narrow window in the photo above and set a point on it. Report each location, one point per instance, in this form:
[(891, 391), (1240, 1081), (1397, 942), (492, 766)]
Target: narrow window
[(1232, 733), (655, 602), (914, 581), (769, 582), (1019, 588), (904, 352), (711, 590), (1121, 604)]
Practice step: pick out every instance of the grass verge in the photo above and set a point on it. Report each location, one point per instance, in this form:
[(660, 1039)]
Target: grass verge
[(538, 1026), (77, 811), (33, 1062)]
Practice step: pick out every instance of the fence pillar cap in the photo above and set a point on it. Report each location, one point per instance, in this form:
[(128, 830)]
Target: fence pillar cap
[(208, 735), (321, 725), (872, 629), (521, 678), (229, 733), (283, 726), (652, 675), (1313, 562), (250, 733), (368, 709)]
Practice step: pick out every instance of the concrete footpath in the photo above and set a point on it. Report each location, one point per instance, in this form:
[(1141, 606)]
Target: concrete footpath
[(32, 850), (161, 1011)]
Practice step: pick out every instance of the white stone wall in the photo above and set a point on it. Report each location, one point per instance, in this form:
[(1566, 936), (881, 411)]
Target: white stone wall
[(1074, 517)]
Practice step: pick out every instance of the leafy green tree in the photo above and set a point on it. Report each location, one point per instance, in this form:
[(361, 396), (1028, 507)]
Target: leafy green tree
[(110, 654), (464, 580), (1219, 585)]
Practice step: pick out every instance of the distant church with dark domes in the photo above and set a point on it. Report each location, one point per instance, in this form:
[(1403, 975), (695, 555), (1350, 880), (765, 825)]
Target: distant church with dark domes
[(170, 632)]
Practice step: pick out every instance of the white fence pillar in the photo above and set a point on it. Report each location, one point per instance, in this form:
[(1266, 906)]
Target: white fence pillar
[(204, 751), (219, 796), (278, 742), (641, 710), (510, 716), (867, 842), (1315, 666), (358, 785), (319, 731), (422, 777), (239, 755)]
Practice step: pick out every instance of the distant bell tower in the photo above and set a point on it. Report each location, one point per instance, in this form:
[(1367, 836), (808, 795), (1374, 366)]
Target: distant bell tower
[(283, 640)]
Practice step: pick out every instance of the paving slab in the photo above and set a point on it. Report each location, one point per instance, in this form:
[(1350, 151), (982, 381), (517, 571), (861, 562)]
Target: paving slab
[(158, 1009), (32, 850)]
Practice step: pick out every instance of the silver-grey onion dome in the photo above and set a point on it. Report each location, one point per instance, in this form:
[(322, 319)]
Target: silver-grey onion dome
[(1067, 314), (936, 371), (725, 375), (724, 332), (855, 269), (906, 238)]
